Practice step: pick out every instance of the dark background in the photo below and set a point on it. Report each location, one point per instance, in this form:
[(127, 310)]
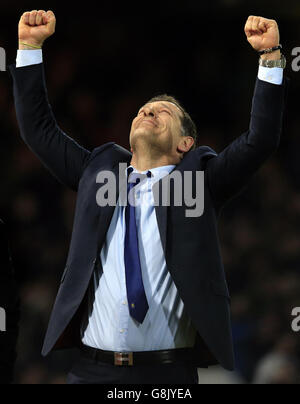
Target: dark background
[(102, 64)]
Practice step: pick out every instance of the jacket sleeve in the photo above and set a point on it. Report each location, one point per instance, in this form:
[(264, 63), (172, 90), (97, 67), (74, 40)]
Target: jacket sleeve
[(229, 171), (57, 151)]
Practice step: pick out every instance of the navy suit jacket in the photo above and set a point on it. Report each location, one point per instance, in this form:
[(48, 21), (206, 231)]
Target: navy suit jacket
[(191, 245)]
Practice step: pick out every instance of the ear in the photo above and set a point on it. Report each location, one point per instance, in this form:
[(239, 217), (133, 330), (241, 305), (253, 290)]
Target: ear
[(185, 144)]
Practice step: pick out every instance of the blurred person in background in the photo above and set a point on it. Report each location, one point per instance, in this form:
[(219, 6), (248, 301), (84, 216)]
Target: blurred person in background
[(9, 304), (91, 305), (281, 364)]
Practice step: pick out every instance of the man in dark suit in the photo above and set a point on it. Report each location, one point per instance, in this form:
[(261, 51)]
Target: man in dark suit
[(9, 312), (144, 294)]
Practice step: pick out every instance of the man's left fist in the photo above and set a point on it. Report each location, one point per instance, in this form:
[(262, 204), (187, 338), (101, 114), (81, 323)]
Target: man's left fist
[(262, 33)]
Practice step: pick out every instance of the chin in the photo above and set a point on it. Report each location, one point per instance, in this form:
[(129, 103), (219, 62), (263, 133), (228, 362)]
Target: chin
[(143, 131), (141, 134)]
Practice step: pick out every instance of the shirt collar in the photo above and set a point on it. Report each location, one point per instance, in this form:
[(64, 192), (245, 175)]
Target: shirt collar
[(157, 172)]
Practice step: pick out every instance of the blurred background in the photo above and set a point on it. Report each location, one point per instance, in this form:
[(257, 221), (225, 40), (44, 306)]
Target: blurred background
[(101, 65)]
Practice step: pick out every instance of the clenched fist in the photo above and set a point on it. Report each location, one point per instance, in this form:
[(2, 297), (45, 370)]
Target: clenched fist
[(262, 34), (35, 27)]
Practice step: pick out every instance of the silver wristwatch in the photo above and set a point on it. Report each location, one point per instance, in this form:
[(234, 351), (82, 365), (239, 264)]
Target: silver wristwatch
[(273, 63)]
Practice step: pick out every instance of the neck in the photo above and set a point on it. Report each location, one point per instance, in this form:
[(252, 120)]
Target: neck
[(143, 163)]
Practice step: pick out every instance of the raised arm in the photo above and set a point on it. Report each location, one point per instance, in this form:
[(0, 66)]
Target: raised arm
[(38, 127), (230, 171)]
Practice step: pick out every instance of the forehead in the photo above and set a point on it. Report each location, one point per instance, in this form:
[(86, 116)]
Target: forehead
[(167, 104)]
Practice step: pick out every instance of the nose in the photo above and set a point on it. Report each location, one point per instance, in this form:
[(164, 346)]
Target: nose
[(148, 111)]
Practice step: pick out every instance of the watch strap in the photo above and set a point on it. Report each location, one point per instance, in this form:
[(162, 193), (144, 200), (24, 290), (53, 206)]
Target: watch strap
[(273, 63), (270, 50)]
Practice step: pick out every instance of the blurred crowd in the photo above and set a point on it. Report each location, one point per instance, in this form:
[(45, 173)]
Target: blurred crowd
[(96, 83)]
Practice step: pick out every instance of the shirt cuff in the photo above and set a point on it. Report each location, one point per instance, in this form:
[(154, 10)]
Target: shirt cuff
[(29, 57), (272, 75)]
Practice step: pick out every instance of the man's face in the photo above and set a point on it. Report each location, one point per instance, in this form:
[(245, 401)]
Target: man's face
[(158, 126)]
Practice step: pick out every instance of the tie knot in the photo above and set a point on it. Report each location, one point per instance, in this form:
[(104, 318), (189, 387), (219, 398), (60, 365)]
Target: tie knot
[(135, 178)]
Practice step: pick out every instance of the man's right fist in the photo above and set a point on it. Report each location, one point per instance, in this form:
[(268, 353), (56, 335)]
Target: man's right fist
[(35, 27)]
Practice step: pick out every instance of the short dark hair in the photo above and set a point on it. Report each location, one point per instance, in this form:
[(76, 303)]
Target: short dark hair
[(187, 124)]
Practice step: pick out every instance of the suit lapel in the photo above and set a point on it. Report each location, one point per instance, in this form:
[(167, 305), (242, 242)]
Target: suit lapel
[(106, 212), (161, 211), (161, 215)]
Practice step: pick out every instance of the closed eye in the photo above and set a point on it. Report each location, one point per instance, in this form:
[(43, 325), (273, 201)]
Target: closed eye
[(162, 110)]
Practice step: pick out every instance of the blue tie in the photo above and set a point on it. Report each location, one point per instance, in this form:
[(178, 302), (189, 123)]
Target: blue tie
[(137, 300)]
